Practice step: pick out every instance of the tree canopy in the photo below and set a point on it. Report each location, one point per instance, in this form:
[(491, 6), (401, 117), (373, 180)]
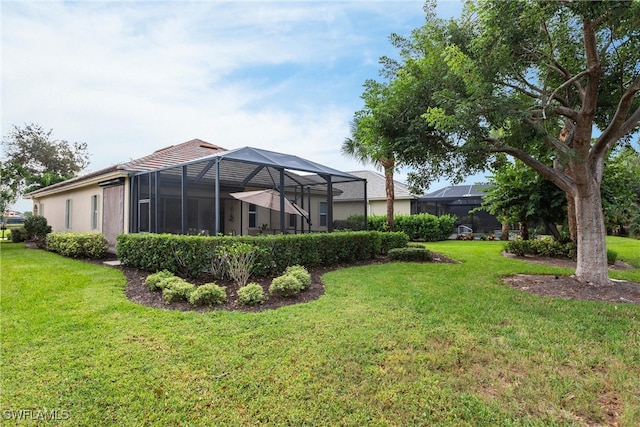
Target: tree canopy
[(514, 77), (33, 160)]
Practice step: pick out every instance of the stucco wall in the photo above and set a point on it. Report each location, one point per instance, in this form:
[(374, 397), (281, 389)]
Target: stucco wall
[(54, 208)]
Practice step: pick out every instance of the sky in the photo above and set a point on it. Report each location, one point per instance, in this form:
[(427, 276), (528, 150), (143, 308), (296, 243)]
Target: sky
[(132, 77)]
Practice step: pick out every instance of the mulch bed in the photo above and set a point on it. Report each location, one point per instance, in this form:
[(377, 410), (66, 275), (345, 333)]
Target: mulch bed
[(567, 287), (556, 286)]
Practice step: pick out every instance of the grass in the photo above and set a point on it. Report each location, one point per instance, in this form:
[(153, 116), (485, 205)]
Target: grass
[(393, 344)]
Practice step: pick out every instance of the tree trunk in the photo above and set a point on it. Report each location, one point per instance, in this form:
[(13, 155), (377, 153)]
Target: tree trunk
[(524, 231), (388, 165), (505, 231), (591, 265)]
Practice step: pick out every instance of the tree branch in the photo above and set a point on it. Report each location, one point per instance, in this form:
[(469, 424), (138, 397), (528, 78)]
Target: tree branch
[(618, 127), (558, 177)]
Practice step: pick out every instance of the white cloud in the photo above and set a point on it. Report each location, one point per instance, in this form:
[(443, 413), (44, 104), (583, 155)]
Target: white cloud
[(132, 77)]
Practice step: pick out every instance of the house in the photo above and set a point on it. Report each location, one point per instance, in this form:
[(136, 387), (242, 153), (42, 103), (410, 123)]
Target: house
[(460, 201), (350, 201), (191, 188)]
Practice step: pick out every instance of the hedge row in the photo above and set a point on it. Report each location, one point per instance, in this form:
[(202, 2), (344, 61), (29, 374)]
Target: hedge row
[(193, 255), (78, 245), (418, 227)]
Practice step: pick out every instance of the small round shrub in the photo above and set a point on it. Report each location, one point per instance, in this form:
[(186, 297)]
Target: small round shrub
[(410, 254), (176, 289), (285, 285), (251, 294), (301, 274), (18, 235), (208, 294), (153, 280)]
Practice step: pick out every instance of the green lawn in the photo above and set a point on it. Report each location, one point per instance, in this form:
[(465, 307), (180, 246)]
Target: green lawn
[(394, 344)]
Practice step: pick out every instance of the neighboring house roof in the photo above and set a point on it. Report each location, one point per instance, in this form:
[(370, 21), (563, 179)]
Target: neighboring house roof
[(455, 192), (168, 156), (376, 188)]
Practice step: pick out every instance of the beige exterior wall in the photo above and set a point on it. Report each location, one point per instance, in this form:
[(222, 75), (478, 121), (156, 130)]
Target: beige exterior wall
[(71, 210), (74, 205), (343, 210)]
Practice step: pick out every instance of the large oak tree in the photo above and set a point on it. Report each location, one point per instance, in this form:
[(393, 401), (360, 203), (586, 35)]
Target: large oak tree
[(529, 73)]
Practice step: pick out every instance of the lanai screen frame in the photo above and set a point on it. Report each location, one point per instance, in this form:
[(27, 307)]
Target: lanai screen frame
[(236, 170)]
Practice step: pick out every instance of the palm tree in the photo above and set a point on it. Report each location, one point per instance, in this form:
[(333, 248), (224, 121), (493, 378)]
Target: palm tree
[(380, 155)]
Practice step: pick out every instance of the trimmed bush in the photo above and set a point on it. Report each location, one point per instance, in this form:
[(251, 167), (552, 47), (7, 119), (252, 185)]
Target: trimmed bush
[(544, 246), (190, 256), (418, 227), (77, 245), (153, 280), (393, 240), (301, 274), (208, 294), (410, 254), (18, 235), (285, 285), (251, 294), (176, 289), (37, 229)]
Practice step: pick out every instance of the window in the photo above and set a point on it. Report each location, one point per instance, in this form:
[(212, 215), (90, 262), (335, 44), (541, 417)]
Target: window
[(323, 214), (253, 216), (67, 214), (94, 212), (293, 220)]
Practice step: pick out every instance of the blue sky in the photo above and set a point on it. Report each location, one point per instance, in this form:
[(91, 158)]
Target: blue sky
[(132, 77)]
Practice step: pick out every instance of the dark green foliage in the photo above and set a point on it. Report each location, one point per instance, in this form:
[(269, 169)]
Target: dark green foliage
[(418, 227), (191, 256), (544, 246), (37, 229), (410, 254), (612, 256), (208, 294), (250, 294), (18, 235), (393, 240), (77, 245)]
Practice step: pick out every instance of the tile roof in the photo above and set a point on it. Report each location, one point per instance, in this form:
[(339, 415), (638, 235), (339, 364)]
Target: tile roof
[(168, 156), (173, 155), (376, 188)]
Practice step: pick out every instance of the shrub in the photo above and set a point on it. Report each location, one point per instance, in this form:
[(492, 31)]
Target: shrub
[(390, 241), (76, 245), (544, 246), (251, 294), (301, 274), (176, 289), (519, 247), (612, 256), (153, 280), (37, 229), (18, 235), (208, 294), (410, 254), (240, 259), (285, 285)]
